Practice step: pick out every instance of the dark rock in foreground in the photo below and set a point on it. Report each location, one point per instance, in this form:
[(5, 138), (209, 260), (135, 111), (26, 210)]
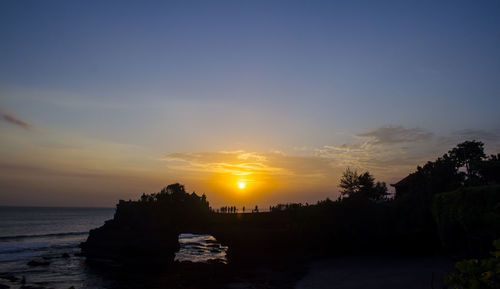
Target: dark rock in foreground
[(145, 232), (130, 245)]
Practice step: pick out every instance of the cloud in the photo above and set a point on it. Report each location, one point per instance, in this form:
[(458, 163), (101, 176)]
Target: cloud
[(478, 134), (271, 177), (12, 119), (383, 148), (373, 157), (244, 163), (397, 134), (388, 152), (393, 151)]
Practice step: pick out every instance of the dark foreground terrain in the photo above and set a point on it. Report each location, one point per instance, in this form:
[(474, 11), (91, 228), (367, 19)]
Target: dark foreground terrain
[(384, 272), (367, 272)]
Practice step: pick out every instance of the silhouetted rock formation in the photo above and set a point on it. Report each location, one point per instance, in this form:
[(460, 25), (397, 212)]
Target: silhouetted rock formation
[(131, 243), (146, 231)]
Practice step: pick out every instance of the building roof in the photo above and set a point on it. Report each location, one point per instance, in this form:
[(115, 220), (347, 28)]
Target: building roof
[(403, 182)]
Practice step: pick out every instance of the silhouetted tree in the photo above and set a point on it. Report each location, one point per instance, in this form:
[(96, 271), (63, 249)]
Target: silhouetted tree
[(490, 170), (469, 154), (349, 183), (362, 186)]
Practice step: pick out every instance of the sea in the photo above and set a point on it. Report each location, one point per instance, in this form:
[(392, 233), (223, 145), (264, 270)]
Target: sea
[(39, 247)]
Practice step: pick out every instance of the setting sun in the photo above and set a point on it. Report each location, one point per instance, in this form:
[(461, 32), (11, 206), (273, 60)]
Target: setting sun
[(241, 185)]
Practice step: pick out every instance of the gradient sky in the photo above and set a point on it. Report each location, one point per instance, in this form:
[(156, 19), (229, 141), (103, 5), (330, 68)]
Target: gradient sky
[(105, 100)]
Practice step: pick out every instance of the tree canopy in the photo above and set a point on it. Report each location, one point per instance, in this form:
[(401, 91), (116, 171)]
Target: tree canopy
[(469, 154), (362, 186)]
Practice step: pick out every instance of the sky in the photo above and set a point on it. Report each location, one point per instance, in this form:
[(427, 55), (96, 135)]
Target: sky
[(106, 100)]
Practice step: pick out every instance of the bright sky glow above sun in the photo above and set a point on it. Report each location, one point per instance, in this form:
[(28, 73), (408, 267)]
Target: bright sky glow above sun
[(252, 103)]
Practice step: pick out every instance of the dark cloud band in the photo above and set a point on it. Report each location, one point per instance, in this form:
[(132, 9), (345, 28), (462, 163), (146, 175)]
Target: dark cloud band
[(12, 119)]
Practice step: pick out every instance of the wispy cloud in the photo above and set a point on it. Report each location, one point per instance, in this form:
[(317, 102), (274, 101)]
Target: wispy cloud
[(397, 134), (393, 151), (384, 149), (12, 119), (389, 152), (244, 163), (381, 159), (275, 175), (478, 134)]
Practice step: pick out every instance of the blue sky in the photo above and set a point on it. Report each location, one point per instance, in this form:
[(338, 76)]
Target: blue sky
[(145, 80)]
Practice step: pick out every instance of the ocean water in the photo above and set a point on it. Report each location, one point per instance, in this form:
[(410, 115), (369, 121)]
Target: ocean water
[(201, 248), (51, 237)]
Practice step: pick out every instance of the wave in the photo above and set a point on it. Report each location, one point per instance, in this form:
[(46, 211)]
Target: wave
[(20, 237)]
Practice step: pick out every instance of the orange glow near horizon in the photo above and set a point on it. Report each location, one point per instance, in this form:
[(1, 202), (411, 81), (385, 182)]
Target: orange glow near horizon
[(233, 189)]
